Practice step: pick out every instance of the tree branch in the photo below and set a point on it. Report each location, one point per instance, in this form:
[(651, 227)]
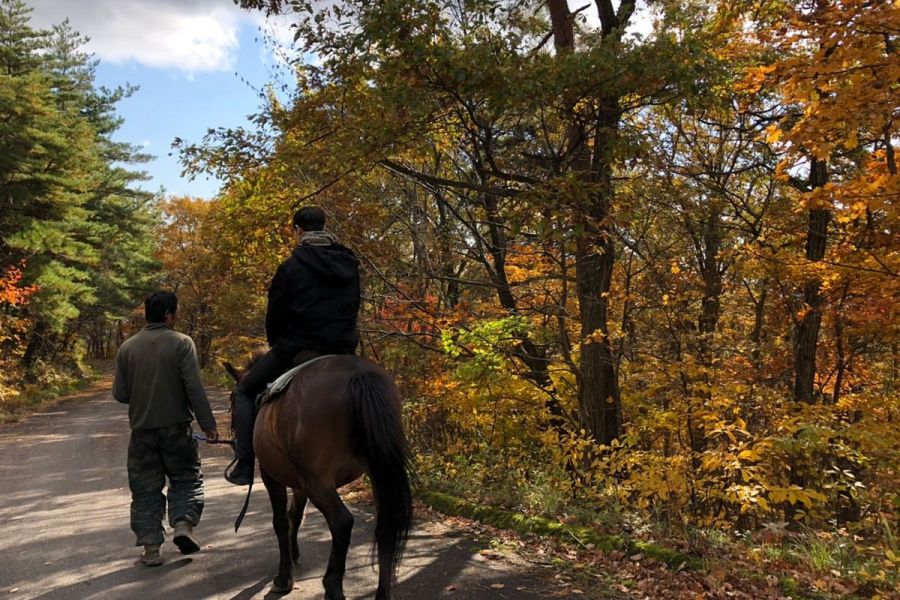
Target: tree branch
[(608, 18), (441, 182), (626, 9)]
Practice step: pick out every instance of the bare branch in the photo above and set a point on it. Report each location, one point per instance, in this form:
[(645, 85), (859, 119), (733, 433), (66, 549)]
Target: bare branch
[(445, 183)]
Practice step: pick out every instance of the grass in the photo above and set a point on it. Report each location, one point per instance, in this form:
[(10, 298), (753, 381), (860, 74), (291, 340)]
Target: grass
[(584, 536), (808, 552), (38, 395)]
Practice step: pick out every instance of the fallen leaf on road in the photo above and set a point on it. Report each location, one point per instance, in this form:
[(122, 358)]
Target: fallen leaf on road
[(498, 586)]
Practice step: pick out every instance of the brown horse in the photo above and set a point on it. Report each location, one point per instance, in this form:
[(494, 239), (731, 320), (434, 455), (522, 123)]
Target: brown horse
[(338, 418)]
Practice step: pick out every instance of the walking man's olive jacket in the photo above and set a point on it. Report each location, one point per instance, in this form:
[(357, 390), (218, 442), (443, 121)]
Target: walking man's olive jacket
[(158, 377)]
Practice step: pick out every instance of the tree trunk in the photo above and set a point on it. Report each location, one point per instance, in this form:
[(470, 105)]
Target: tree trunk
[(709, 246), (450, 293), (599, 400), (534, 357), (759, 315), (33, 350), (807, 333)]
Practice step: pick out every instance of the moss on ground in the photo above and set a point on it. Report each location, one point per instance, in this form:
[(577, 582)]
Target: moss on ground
[(542, 526)]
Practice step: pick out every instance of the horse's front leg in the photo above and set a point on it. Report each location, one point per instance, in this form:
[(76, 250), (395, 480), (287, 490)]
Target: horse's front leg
[(284, 581), (298, 505)]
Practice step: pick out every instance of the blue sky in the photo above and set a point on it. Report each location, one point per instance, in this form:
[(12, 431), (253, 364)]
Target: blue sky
[(184, 56), (173, 104)]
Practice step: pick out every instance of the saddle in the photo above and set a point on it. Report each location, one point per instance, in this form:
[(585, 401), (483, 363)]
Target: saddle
[(281, 384)]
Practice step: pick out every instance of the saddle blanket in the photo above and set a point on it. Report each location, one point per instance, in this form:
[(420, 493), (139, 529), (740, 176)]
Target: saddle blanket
[(281, 384)]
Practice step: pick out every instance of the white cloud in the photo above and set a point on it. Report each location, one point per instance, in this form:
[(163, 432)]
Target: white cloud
[(189, 36)]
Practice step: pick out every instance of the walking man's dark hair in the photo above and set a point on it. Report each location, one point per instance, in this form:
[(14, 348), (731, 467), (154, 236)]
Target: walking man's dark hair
[(310, 218), (158, 304)]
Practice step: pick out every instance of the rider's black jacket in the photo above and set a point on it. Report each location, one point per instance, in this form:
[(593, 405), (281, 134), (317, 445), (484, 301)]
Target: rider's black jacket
[(313, 302)]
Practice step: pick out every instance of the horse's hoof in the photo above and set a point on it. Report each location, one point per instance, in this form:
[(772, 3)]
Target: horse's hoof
[(282, 588)]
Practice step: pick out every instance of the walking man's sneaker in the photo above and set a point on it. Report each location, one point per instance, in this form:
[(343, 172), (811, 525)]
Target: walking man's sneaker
[(151, 556), (184, 537)]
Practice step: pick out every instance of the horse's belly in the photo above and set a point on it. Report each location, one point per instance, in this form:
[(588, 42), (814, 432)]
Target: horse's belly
[(282, 471)]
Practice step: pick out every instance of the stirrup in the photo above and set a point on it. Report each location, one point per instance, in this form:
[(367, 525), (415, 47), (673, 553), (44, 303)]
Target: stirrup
[(230, 476)]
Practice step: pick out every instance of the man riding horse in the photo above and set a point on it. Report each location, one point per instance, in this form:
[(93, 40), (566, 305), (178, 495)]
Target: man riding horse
[(313, 303)]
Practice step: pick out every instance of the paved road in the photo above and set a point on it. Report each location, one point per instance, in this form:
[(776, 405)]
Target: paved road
[(64, 532)]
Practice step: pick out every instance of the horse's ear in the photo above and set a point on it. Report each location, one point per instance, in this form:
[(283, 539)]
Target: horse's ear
[(231, 370)]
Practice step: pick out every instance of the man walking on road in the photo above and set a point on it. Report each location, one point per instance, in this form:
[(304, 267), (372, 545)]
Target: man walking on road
[(158, 377)]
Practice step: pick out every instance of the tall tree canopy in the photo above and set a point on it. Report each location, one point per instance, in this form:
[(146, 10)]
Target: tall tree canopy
[(71, 213)]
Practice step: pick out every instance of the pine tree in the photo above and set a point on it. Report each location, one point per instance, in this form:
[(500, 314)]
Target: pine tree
[(69, 204)]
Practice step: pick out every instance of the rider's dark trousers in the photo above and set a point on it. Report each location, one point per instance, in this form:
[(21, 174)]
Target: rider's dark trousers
[(263, 372), (155, 455), (266, 370)]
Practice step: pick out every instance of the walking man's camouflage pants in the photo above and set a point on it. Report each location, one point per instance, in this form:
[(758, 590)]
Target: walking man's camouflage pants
[(153, 456)]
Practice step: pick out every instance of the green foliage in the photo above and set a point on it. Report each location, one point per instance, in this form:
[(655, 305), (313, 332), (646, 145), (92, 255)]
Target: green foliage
[(69, 202)]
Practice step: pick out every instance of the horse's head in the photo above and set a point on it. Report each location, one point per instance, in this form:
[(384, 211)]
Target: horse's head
[(239, 374), (232, 370)]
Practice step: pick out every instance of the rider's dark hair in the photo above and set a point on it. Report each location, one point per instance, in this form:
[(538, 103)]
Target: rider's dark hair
[(310, 218), (158, 305)]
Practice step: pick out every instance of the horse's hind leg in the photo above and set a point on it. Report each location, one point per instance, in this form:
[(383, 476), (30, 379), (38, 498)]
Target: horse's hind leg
[(284, 581), (295, 516), (340, 522)]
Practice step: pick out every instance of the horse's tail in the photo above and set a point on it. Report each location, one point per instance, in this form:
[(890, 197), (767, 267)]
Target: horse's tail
[(374, 407)]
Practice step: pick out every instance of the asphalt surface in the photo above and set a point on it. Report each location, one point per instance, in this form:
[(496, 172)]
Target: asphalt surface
[(64, 533)]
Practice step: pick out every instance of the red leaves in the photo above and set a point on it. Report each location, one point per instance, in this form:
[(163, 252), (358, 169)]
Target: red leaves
[(10, 291)]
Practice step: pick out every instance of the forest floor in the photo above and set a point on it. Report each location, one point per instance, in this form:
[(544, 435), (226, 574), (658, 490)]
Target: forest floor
[(64, 530), (64, 533)]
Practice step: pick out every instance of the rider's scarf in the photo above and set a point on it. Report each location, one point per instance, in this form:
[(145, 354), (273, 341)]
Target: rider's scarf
[(317, 238)]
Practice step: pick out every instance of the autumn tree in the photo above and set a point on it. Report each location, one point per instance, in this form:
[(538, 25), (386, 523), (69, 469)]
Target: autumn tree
[(553, 211), (835, 60), (199, 254)]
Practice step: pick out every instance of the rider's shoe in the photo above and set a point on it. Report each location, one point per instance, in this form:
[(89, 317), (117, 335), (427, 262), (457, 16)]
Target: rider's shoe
[(241, 473), (184, 537), (151, 556)]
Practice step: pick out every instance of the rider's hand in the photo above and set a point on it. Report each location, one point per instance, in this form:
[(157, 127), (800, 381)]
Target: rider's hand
[(212, 435)]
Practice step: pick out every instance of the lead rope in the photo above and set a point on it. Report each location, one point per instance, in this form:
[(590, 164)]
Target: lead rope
[(240, 517)]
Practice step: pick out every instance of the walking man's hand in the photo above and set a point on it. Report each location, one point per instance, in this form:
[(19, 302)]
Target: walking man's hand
[(211, 435)]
